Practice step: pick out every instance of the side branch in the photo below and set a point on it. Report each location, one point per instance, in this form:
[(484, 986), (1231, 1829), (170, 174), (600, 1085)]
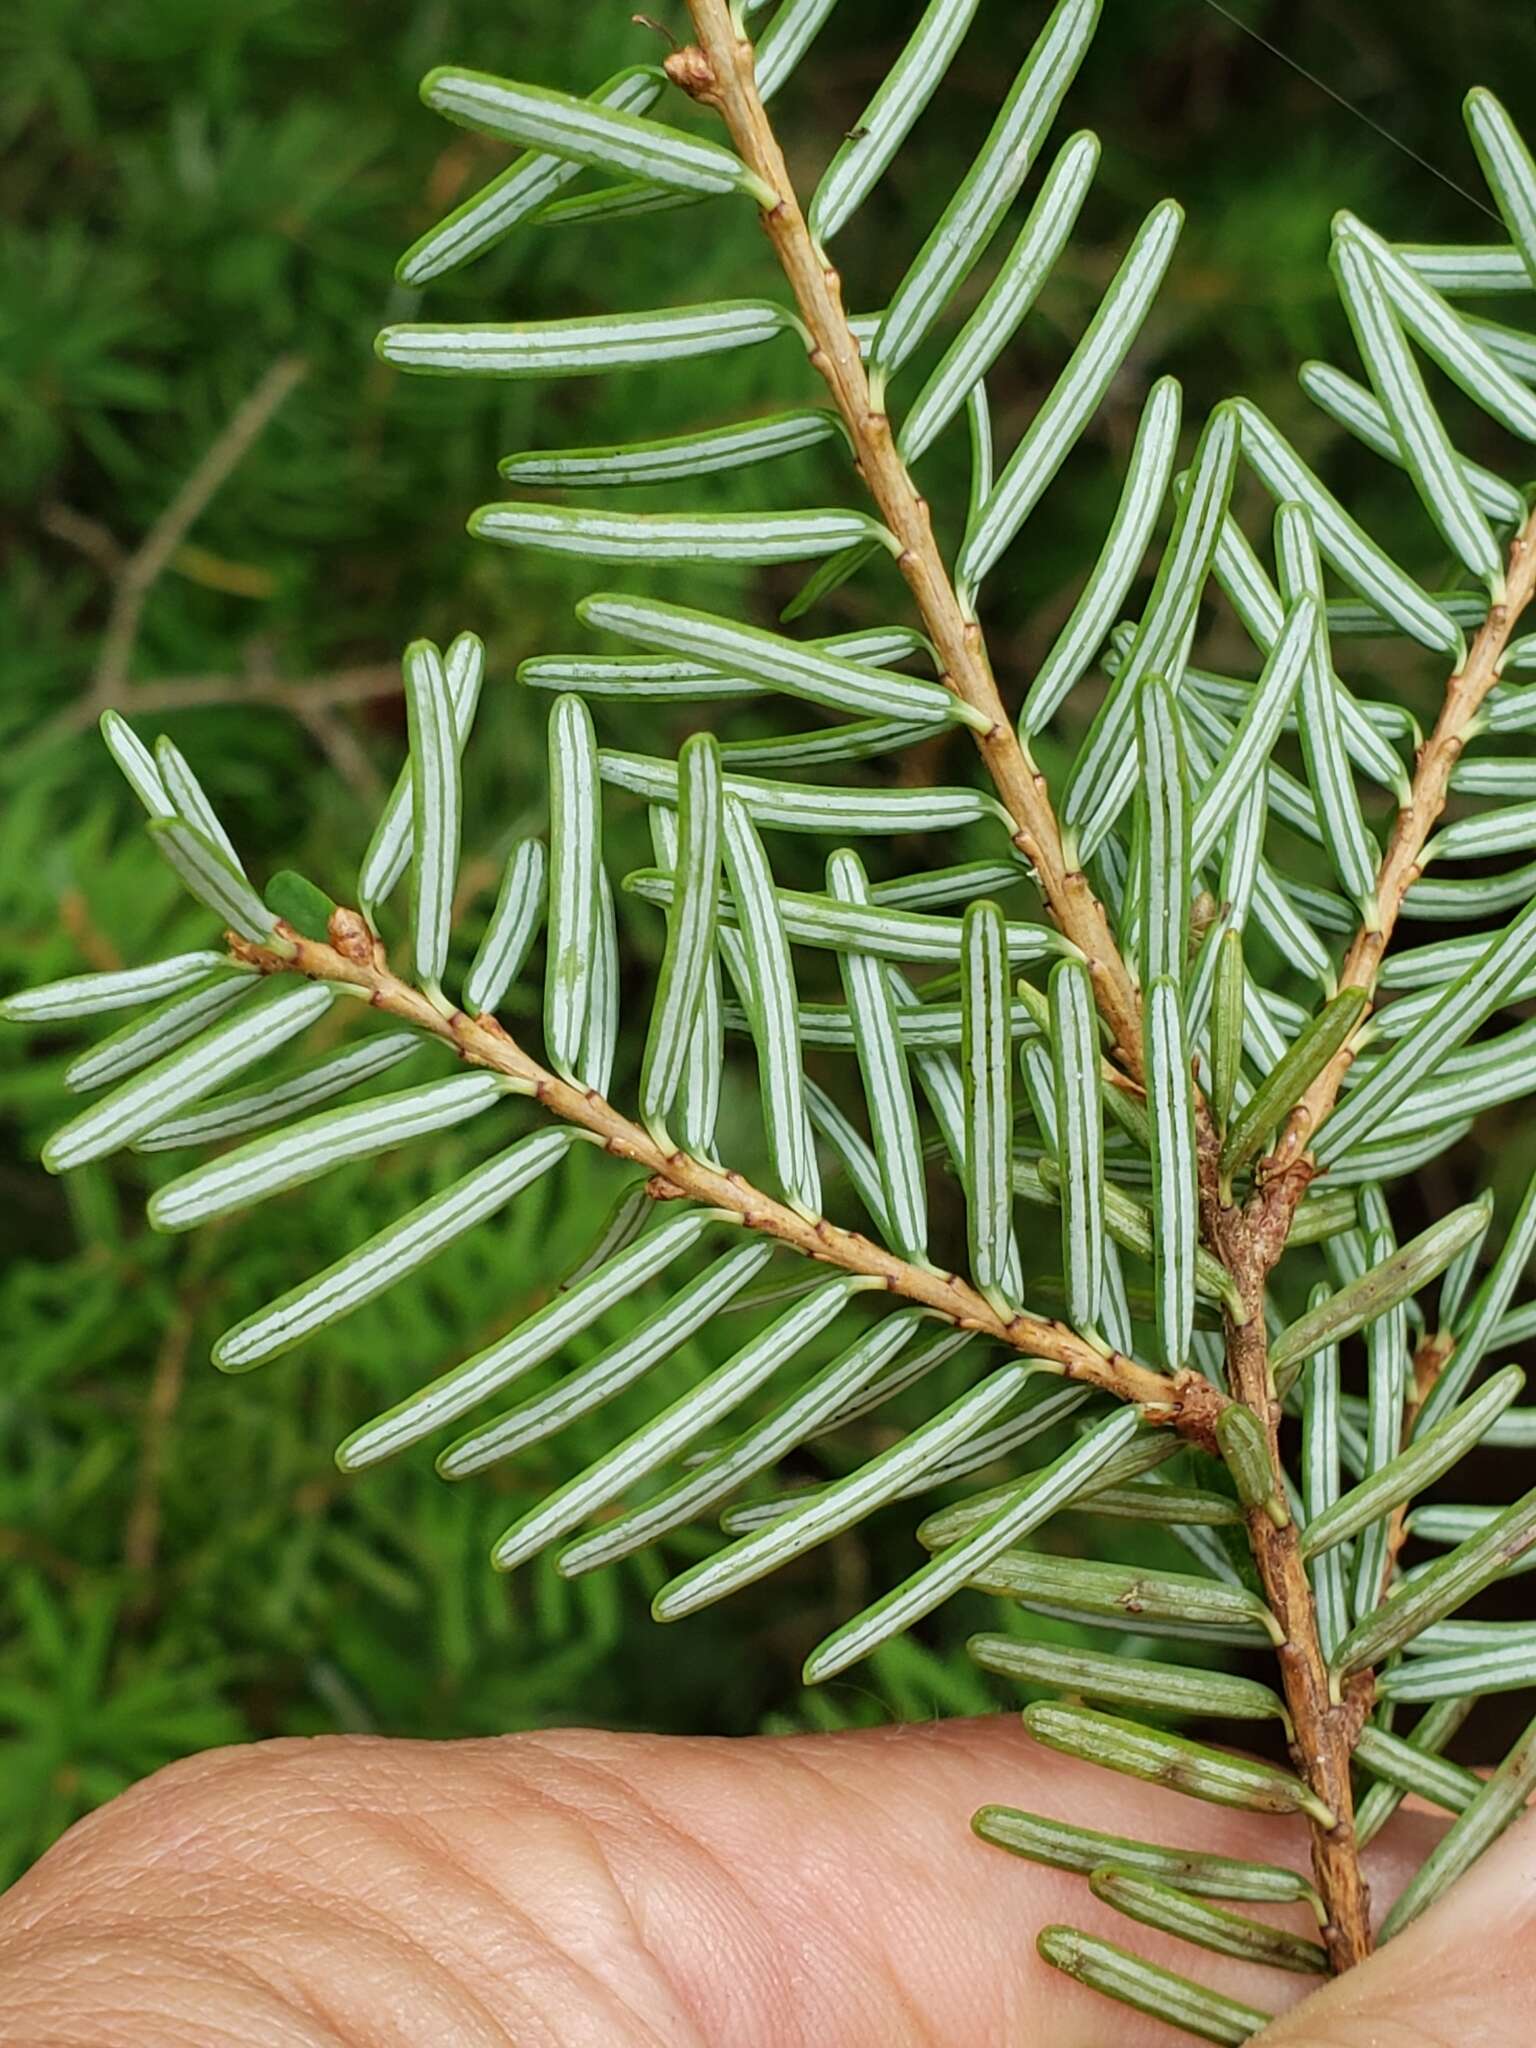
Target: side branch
[(355, 958), (1400, 869), (720, 72), (1326, 1729)]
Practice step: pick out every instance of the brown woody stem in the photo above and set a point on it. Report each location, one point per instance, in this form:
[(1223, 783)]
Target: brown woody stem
[(355, 958), (720, 72), (1325, 1730)]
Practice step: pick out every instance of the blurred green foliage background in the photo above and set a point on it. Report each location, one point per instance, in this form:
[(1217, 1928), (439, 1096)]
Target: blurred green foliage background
[(199, 204)]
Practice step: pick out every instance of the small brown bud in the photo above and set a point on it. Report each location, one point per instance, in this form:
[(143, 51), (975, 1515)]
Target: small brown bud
[(351, 936), (690, 69)]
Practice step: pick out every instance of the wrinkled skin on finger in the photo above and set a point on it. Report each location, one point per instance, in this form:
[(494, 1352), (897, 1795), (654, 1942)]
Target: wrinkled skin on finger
[(588, 1890)]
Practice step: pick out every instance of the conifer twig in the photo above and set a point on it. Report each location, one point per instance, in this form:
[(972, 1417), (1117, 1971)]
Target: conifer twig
[(718, 71), (1325, 1728), (354, 957), (1248, 1238), (1400, 869), (1251, 1242)]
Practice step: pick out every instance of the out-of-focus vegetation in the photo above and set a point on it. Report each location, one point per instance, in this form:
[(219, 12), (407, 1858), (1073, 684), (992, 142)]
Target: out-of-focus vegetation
[(202, 203)]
